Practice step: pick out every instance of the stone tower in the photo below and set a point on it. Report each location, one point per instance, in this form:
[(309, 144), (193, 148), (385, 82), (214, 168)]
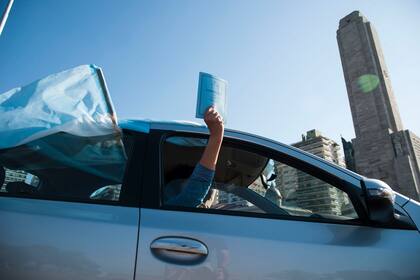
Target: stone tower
[(382, 149)]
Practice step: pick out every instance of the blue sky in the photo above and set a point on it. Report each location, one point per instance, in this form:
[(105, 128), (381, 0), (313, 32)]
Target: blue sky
[(280, 57)]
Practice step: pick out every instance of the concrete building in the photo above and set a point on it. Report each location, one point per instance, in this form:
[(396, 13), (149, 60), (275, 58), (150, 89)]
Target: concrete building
[(305, 191), (382, 148), (18, 176)]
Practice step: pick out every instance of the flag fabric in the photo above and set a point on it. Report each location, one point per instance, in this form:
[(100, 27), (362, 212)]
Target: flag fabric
[(74, 101), (65, 120)]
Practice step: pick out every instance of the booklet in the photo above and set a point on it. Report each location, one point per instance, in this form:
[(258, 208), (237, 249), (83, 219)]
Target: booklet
[(211, 92)]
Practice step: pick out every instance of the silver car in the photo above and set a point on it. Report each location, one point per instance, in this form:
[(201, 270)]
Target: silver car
[(84, 197), (68, 211)]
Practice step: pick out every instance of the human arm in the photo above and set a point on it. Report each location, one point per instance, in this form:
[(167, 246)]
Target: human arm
[(195, 189), (199, 183), (211, 153)]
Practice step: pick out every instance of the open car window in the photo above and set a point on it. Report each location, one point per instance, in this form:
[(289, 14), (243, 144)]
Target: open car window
[(252, 182)]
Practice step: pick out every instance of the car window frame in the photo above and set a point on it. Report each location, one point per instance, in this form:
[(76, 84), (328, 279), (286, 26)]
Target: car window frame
[(354, 193)]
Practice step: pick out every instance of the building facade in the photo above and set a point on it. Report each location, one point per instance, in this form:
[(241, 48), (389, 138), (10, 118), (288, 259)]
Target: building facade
[(382, 148), (13, 176)]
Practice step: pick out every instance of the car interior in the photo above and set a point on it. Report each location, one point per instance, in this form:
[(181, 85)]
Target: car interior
[(234, 166), (236, 170)]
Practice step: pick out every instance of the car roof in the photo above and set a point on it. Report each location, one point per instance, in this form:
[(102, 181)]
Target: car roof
[(145, 125)]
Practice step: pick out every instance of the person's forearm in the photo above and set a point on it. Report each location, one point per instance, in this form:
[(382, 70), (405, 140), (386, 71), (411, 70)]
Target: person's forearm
[(195, 188), (211, 153)]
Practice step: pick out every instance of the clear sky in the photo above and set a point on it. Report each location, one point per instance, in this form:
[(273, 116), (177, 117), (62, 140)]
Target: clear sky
[(280, 58)]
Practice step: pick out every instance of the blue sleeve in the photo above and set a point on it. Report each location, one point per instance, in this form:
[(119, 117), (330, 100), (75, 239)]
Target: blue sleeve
[(195, 189)]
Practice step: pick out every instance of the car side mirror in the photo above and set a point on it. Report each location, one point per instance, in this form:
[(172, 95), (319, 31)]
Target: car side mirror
[(380, 201)]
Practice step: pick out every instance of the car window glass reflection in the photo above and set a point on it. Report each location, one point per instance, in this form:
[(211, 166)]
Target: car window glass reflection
[(250, 182), (65, 167), (18, 179)]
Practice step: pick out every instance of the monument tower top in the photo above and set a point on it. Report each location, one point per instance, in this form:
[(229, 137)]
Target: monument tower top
[(352, 17)]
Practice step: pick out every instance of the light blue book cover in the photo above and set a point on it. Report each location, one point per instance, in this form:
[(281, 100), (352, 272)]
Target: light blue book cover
[(211, 92)]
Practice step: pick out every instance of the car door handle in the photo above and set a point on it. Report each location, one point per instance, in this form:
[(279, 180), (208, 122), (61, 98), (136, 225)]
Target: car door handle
[(179, 250)]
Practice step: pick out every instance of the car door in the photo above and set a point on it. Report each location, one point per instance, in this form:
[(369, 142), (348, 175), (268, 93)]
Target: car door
[(73, 217), (315, 228)]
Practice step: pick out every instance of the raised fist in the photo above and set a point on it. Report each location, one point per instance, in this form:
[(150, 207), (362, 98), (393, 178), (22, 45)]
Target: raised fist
[(214, 121)]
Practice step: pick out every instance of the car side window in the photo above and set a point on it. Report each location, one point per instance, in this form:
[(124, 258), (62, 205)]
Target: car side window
[(252, 182), (66, 167)]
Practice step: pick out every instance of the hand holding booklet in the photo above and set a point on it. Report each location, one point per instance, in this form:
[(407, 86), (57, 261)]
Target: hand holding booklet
[(211, 92)]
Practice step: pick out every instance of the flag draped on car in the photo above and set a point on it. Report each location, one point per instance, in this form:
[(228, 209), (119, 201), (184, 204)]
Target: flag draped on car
[(74, 101), (67, 119)]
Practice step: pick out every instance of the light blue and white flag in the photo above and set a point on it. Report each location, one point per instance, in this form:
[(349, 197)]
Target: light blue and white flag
[(65, 120), (74, 101)]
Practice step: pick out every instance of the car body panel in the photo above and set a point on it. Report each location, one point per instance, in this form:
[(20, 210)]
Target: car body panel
[(400, 199), (257, 248), (413, 209), (41, 239)]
